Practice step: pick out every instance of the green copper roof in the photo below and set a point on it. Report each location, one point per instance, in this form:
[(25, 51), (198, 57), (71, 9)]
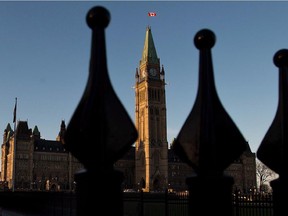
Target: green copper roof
[(149, 54), (36, 131), (8, 131), (8, 128)]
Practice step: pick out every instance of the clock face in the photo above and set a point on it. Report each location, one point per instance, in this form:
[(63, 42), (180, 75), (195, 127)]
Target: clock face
[(152, 72)]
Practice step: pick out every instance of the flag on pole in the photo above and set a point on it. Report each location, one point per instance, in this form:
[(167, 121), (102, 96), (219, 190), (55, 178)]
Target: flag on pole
[(14, 112), (151, 14)]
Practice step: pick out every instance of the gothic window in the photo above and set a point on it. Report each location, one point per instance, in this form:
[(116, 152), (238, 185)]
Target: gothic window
[(141, 143), (141, 129), (142, 183), (142, 159), (154, 94), (142, 96), (158, 129), (152, 142), (156, 158), (157, 111)]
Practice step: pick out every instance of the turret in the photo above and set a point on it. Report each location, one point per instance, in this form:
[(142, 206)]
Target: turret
[(137, 75), (62, 131), (162, 73), (36, 132), (7, 133)]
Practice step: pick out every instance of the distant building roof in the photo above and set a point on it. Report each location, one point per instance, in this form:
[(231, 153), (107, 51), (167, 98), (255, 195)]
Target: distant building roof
[(172, 157), (42, 145)]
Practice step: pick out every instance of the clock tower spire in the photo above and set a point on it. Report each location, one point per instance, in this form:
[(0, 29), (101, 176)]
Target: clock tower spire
[(151, 155)]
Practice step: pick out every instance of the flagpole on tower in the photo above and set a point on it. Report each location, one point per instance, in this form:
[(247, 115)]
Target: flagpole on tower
[(14, 147), (151, 14)]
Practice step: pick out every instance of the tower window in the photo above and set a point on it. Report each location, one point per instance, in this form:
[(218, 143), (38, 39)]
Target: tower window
[(156, 158), (157, 111), (142, 96)]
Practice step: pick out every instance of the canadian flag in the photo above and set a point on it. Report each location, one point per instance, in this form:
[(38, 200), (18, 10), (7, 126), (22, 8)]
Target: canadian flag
[(151, 14)]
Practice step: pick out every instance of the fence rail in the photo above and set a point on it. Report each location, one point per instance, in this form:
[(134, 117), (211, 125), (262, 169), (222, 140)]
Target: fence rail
[(176, 204), (135, 203)]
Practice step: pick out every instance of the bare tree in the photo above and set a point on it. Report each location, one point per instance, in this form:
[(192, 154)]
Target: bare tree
[(264, 175)]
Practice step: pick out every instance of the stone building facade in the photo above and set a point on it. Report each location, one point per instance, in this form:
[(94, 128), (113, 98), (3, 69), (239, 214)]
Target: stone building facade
[(242, 170), (46, 165), (29, 162)]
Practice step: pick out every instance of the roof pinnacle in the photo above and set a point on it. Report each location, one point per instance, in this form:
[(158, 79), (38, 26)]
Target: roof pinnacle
[(149, 54)]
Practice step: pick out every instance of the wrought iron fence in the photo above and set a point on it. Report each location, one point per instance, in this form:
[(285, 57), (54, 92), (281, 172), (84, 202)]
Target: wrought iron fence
[(135, 204), (252, 204), (177, 204)]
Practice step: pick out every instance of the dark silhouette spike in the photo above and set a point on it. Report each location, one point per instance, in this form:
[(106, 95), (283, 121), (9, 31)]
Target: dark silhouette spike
[(100, 131), (274, 146), (209, 141)]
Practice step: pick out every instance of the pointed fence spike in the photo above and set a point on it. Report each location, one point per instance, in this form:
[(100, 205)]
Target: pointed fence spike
[(209, 140), (100, 131), (273, 149)]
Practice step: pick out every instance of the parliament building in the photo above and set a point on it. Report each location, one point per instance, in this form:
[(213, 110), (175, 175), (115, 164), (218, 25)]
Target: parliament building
[(151, 165), (31, 163), (39, 164)]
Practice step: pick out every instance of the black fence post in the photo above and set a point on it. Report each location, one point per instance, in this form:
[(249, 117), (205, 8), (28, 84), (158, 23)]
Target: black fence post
[(166, 202), (141, 212), (100, 131), (209, 141), (273, 149), (236, 203)]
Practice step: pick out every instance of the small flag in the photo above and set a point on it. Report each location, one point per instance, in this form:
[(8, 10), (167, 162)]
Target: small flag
[(151, 14), (14, 112)]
